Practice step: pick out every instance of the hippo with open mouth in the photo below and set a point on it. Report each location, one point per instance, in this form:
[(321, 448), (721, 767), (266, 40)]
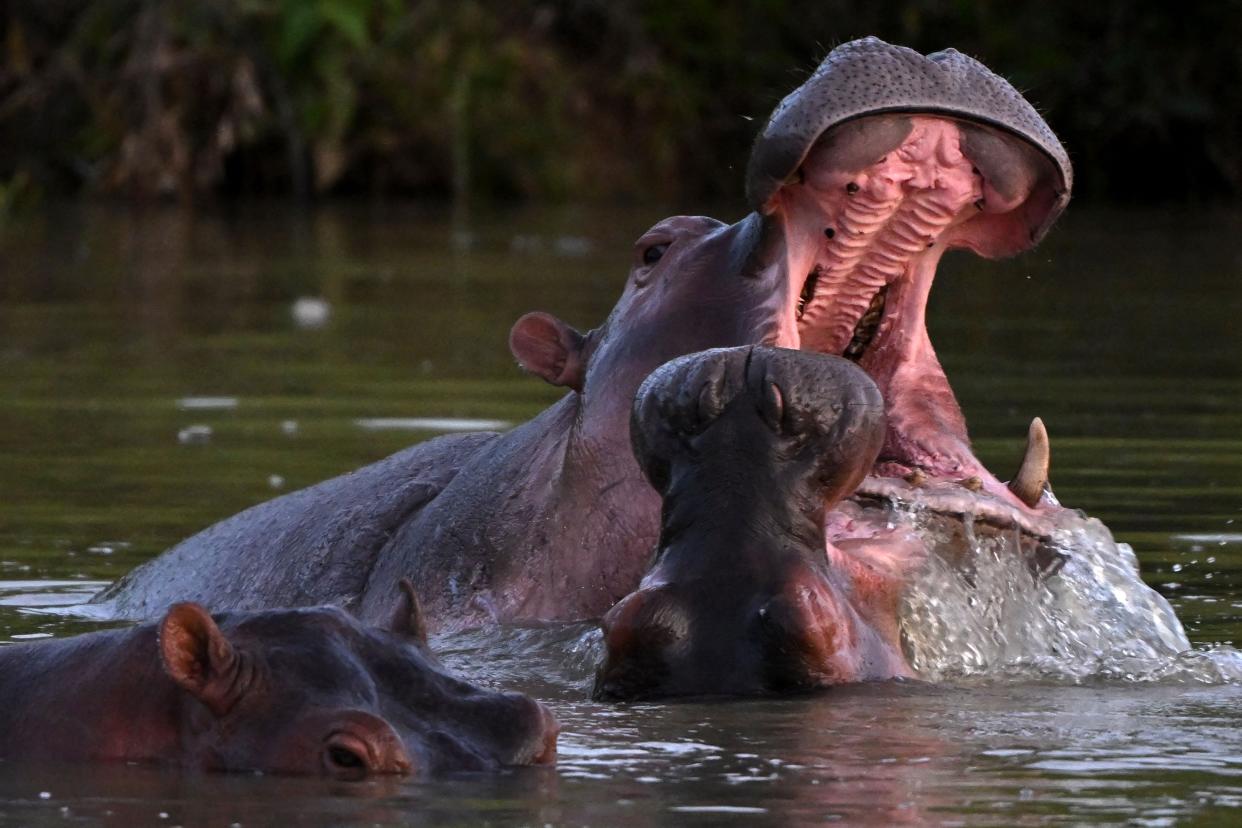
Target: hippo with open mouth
[(863, 177)]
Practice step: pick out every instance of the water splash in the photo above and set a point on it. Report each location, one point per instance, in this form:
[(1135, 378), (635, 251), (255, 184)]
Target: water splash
[(553, 661), (988, 614)]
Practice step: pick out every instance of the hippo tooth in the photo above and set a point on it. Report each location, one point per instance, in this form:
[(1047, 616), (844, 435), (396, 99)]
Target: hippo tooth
[(1028, 484)]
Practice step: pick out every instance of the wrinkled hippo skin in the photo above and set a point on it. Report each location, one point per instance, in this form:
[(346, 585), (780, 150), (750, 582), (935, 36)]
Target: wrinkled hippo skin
[(746, 446), (301, 691), (860, 181)]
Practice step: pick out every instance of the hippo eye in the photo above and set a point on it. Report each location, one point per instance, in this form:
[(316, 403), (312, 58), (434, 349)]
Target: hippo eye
[(345, 759), (654, 253)]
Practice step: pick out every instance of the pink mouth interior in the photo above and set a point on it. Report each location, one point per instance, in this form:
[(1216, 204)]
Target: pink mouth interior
[(862, 247), (880, 224)]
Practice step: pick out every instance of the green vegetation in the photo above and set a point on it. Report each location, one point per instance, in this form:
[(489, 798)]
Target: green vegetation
[(577, 98)]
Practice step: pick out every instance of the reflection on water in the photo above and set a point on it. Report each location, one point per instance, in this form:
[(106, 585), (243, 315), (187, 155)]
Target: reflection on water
[(119, 332), (441, 425), (894, 753), (206, 403)]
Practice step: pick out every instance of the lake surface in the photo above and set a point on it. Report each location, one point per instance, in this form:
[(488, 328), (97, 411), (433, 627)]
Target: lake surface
[(158, 373)]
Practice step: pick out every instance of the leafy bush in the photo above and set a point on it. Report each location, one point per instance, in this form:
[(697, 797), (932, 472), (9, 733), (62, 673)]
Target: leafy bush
[(578, 98)]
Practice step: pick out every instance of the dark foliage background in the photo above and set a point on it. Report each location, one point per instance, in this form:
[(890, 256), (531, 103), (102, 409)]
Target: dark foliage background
[(572, 99)]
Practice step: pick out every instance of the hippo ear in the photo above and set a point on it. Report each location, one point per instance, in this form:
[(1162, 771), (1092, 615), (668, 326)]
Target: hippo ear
[(198, 657), (549, 348), (408, 619)]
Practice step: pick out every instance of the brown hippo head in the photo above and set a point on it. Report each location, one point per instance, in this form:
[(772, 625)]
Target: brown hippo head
[(313, 691), (746, 446), (687, 290)]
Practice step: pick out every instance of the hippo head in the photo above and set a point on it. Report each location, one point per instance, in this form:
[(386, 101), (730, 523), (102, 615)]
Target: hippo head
[(865, 175), (860, 181), (746, 445), (313, 691), (687, 290)]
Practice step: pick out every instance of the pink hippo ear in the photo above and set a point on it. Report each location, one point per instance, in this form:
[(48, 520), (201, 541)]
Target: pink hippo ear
[(198, 657), (549, 348)]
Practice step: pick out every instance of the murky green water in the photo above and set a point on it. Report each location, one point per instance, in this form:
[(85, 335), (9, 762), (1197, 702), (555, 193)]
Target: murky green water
[(153, 380)]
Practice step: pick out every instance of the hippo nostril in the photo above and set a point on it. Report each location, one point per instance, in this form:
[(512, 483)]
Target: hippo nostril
[(709, 402), (546, 756), (711, 395), (551, 729), (772, 405), (537, 744)]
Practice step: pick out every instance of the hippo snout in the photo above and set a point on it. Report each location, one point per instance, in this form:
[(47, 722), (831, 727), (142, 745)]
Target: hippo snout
[(486, 730), (822, 407), (790, 632), (747, 446), (540, 732)]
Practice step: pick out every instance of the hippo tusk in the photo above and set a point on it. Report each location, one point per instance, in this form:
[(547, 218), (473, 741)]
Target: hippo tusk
[(1032, 477)]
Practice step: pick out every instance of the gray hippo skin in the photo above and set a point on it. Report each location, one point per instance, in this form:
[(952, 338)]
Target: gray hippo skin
[(863, 177), (301, 691)]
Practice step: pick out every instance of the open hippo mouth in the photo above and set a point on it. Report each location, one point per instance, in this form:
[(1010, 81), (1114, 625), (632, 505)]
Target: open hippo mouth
[(879, 228), (882, 161)]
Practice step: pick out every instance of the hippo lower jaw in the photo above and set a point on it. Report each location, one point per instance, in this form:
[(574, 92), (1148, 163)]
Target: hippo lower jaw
[(861, 250)]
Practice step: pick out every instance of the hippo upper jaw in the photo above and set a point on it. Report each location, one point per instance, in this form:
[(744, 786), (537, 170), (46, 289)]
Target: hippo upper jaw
[(863, 184)]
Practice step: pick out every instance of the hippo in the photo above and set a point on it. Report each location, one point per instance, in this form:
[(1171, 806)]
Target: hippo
[(748, 446), (290, 691), (859, 182), (551, 520)]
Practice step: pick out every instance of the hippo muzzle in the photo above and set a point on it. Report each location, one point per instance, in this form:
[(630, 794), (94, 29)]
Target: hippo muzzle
[(746, 445)]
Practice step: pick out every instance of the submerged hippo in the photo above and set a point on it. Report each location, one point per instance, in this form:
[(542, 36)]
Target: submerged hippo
[(861, 180), (747, 446), (299, 691)]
